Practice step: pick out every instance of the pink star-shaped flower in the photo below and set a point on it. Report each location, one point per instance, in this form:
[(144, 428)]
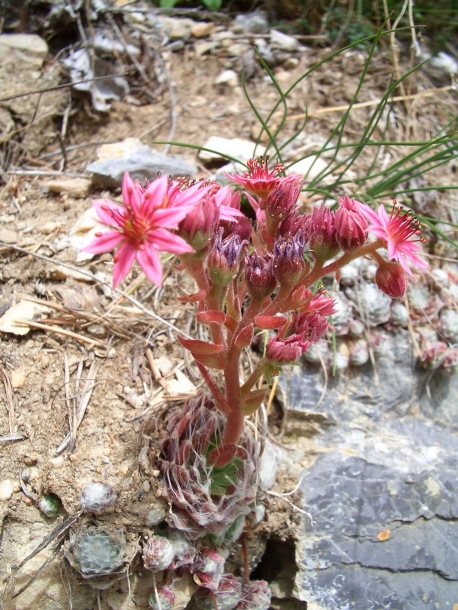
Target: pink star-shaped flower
[(141, 226), (399, 232), (259, 180)]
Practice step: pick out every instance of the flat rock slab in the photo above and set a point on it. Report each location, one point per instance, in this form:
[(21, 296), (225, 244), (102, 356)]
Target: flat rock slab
[(382, 497), (139, 160), (384, 529)]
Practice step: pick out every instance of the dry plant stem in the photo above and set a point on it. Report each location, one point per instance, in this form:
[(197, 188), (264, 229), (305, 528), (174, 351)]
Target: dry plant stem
[(368, 104), (61, 331), (9, 403)]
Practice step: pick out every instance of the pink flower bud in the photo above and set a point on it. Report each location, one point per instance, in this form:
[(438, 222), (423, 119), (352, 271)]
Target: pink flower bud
[(350, 224), (294, 338), (321, 229), (286, 351), (289, 264), (282, 199), (199, 224), (259, 276), (224, 259), (292, 224), (391, 279)]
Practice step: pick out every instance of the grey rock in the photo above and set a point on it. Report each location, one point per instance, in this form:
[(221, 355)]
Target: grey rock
[(384, 532), (392, 384), (142, 163), (23, 48), (283, 41), (256, 23)]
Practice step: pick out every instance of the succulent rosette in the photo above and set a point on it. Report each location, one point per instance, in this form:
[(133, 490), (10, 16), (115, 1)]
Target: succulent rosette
[(209, 485)]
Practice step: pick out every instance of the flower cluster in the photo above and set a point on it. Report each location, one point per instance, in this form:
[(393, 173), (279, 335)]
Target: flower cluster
[(253, 275)]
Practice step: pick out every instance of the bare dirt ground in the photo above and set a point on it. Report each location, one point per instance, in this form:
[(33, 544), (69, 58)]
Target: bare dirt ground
[(85, 353)]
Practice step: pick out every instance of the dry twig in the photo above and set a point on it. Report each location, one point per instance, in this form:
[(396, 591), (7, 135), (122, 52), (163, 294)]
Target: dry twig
[(76, 410)]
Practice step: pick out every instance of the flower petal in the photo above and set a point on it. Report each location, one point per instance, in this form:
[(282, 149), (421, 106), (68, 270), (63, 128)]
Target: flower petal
[(131, 193), (169, 218), (169, 242), (368, 213), (124, 260), (229, 213), (104, 243), (149, 261), (155, 195), (107, 211)]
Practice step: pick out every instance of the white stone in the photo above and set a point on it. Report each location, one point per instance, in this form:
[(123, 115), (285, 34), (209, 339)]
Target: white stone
[(6, 490), (310, 167), (235, 147), (202, 30), (177, 29), (26, 48), (227, 77), (283, 41), (76, 187), (18, 378)]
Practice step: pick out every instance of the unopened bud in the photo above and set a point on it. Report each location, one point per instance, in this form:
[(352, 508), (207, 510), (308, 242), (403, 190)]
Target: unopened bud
[(224, 259), (289, 264), (350, 225), (199, 224), (259, 275), (283, 198), (391, 280), (320, 227)]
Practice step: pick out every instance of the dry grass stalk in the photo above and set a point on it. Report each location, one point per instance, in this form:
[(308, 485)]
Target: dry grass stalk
[(61, 331), (368, 104), (9, 402), (77, 402)]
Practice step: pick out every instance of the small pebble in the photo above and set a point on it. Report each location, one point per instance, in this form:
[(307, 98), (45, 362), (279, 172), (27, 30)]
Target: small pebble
[(6, 490), (227, 77), (8, 236), (57, 462), (202, 30), (18, 379), (76, 187)]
